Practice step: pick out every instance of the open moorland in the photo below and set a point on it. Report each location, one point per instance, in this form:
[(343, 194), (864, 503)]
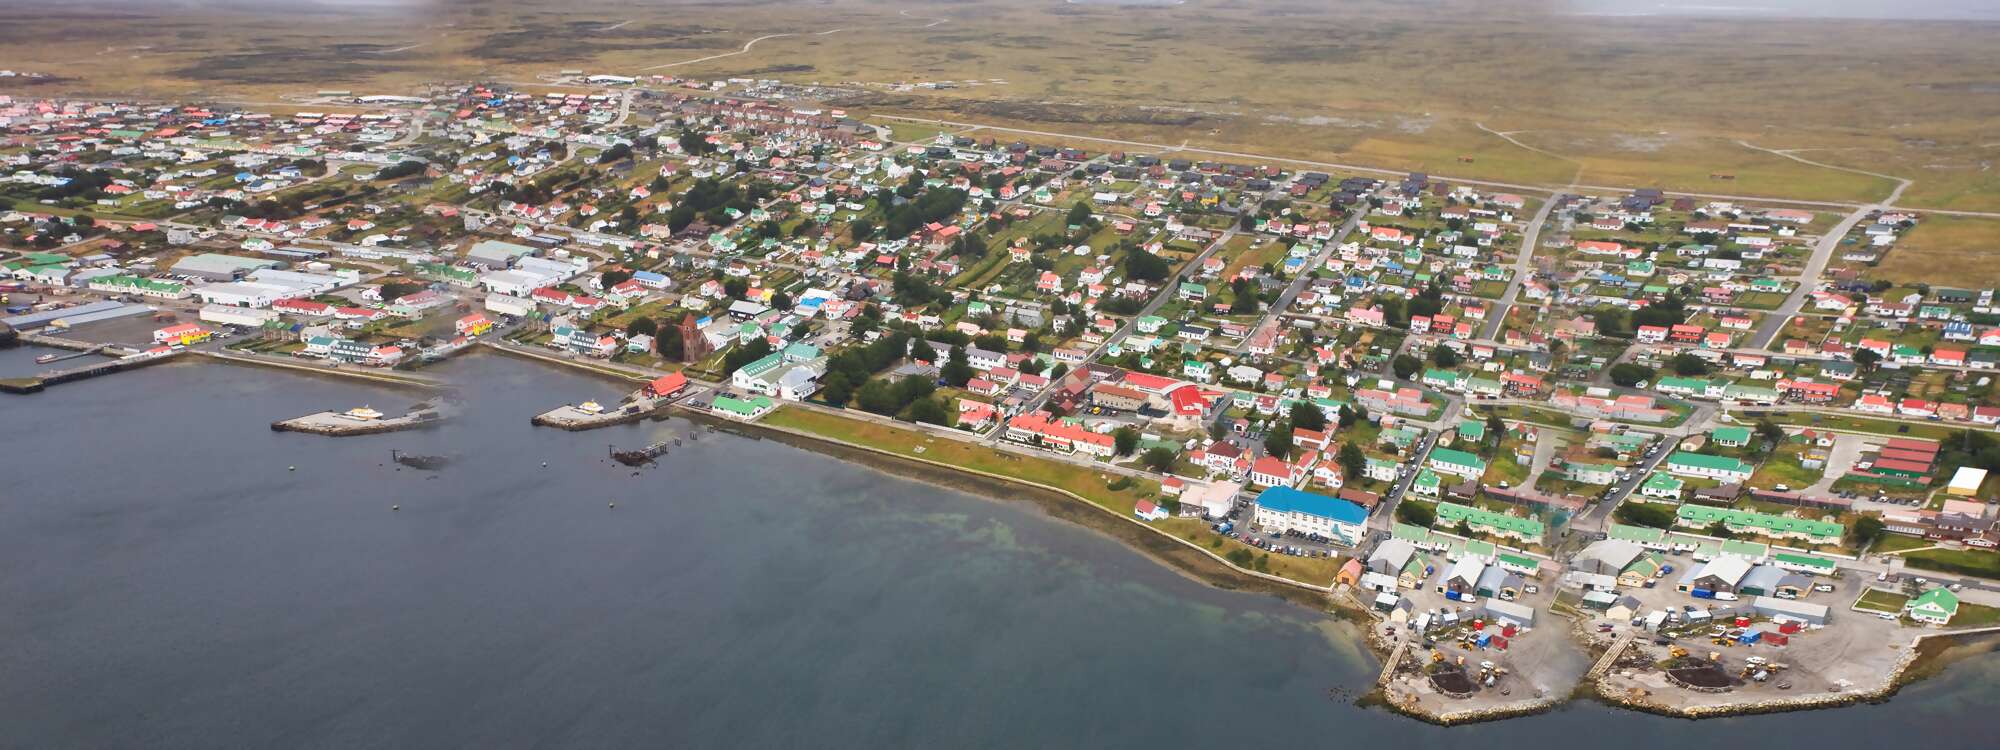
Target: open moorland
[(1507, 91)]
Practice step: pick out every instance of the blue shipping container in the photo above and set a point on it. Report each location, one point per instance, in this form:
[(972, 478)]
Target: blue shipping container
[(1703, 594)]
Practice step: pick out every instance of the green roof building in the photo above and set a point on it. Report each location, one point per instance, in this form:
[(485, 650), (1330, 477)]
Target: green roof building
[(1936, 607), (1524, 529), (1457, 463), (1706, 466), (1731, 436), (1765, 524)]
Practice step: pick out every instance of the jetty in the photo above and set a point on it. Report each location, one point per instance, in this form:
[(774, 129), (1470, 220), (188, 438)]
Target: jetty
[(81, 372), (588, 416), (365, 421)]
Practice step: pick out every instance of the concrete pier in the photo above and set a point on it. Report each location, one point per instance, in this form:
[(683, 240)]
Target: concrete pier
[(91, 370), (635, 407), (338, 424)]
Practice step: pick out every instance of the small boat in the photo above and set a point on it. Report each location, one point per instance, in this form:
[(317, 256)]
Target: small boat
[(46, 358), (591, 407), (414, 461), (362, 413)]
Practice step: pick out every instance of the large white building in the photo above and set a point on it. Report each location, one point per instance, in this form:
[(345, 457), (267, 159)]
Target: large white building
[(1285, 509)]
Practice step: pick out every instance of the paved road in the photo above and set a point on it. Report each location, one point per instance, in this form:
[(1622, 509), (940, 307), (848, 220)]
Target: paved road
[(1808, 278), (1298, 285), (1523, 266)]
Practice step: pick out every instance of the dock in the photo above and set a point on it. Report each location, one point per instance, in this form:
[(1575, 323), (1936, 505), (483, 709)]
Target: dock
[(339, 424), (574, 418), (80, 372)]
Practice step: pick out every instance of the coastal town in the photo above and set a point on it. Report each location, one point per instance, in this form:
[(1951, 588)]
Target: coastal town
[(1689, 452)]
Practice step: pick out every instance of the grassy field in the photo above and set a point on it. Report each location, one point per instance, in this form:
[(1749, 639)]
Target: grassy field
[(1946, 251), (1878, 600), (1972, 562), (1627, 101), (1899, 543), (1091, 485)]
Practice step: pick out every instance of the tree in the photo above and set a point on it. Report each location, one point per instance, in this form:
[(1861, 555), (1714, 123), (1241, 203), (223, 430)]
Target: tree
[(1144, 266), (1244, 301), (641, 327), (1278, 441), (931, 411), (1628, 374), (913, 388), (1347, 416), (957, 371), (921, 350), (1159, 458), (1444, 357), (861, 229), (1866, 359), (1415, 514), (1405, 366), (878, 396), (1463, 529), (735, 287), (1496, 430), (1307, 416), (695, 143), (835, 389), (1865, 530), (669, 344), (1770, 432), (614, 277), (757, 349), (1352, 463), (396, 290), (1719, 530), (1125, 440), (1688, 364), (782, 301), (1079, 213)]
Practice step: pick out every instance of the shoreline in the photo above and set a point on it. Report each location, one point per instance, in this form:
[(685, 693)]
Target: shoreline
[(1173, 552), (1932, 653)]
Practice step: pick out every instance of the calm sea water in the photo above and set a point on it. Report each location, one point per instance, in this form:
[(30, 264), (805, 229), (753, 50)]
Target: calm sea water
[(165, 581)]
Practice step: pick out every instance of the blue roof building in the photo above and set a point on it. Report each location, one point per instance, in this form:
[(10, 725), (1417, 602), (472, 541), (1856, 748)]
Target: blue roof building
[(1286, 509)]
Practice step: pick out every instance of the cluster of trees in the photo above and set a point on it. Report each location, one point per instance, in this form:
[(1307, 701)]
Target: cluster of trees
[(1670, 310), (1650, 515), (1144, 266), (710, 199), (1628, 374), (929, 206), (400, 170)]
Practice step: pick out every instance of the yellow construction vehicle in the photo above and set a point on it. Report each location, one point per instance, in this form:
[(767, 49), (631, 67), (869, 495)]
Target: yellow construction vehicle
[(1677, 652)]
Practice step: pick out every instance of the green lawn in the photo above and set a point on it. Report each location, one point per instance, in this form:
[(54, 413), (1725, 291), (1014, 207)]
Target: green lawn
[(1877, 600), (1899, 543), (1975, 615), (1972, 562)]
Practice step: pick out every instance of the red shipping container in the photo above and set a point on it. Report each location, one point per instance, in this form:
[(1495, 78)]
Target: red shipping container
[(1742, 622), (1500, 643), (1790, 627), (1507, 632), (1777, 639)]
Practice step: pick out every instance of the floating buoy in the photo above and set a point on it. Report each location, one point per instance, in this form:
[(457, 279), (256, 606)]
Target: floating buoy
[(611, 505), (545, 464), (291, 468), (395, 507)]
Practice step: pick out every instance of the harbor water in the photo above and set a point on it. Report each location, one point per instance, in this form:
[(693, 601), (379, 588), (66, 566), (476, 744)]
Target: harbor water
[(177, 575)]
